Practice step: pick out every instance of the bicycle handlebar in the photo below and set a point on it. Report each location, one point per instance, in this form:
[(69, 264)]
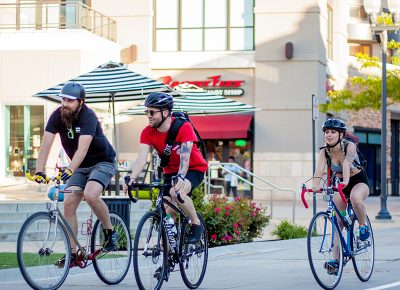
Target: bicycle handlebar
[(31, 178), (339, 189), (147, 186)]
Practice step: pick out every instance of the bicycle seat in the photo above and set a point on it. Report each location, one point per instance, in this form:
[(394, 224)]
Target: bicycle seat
[(52, 190)]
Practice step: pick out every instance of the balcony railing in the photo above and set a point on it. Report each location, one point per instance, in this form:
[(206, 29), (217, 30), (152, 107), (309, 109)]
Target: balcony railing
[(53, 16)]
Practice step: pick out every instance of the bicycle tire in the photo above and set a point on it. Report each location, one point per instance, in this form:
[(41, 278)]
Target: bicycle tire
[(37, 255), (193, 257), (112, 266), (320, 250), (363, 252), (150, 252)]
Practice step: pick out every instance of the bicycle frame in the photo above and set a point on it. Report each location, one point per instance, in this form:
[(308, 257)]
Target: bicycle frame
[(82, 258), (332, 209), (160, 208)]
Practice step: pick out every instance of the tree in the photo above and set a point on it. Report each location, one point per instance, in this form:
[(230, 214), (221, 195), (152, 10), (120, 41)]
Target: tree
[(365, 91)]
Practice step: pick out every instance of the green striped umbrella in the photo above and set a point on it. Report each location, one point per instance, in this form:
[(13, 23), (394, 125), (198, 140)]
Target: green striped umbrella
[(110, 82)]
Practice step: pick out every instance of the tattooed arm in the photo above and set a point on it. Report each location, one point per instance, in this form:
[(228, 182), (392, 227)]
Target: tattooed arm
[(348, 160), (186, 149)]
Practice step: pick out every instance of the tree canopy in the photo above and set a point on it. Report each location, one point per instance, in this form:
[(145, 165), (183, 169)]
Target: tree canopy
[(365, 91)]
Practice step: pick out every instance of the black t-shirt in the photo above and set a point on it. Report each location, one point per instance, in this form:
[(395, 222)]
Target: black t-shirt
[(100, 150)]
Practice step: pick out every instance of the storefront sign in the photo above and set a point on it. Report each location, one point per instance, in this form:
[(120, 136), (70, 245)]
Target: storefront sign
[(213, 85)]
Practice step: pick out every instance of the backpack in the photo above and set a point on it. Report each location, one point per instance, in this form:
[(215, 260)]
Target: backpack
[(361, 163), (180, 119)]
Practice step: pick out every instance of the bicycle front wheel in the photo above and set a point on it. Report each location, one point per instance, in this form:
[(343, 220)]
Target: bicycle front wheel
[(325, 252), (363, 252), (150, 252), (112, 266), (193, 257), (42, 242)]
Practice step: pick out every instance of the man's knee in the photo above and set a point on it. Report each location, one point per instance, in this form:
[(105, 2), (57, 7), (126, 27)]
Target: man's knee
[(91, 197)]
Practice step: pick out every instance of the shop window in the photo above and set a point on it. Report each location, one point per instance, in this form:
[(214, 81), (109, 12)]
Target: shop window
[(374, 138), (360, 48), (24, 132), (204, 25)]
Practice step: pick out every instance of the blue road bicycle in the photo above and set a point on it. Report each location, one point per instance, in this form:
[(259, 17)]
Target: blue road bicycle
[(329, 249)]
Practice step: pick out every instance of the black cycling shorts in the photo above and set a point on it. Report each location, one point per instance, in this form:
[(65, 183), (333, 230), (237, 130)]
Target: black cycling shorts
[(360, 177), (195, 177)]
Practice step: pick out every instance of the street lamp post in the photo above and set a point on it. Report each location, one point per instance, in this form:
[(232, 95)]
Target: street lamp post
[(373, 7)]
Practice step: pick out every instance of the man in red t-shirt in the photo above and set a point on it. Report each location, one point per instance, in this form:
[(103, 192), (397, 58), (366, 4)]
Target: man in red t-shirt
[(186, 161)]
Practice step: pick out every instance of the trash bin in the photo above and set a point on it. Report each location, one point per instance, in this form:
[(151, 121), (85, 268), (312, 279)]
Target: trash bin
[(120, 205)]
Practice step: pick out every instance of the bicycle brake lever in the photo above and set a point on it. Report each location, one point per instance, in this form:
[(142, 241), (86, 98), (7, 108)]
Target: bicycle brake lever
[(127, 179), (178, 195)]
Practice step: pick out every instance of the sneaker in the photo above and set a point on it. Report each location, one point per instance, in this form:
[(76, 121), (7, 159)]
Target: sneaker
[(364, 232), (332, 267), (195, 234), (61, 263), (110, 240)]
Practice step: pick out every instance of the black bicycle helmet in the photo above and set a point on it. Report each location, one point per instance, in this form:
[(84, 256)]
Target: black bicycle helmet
[(334, 124), (159, 100), (73, 91)]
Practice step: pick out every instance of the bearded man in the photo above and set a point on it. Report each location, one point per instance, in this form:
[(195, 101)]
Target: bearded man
[(92, 160)]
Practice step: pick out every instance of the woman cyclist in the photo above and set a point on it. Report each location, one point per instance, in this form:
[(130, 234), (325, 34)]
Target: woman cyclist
[(346, 167)]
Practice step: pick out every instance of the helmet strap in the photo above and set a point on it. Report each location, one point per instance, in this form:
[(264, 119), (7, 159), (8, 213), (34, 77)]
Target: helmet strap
[(163, 118)]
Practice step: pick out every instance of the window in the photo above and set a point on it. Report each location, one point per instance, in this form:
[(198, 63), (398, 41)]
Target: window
[(358, 12), (204, 25), (329, 50), (360, 48), (24, 132)]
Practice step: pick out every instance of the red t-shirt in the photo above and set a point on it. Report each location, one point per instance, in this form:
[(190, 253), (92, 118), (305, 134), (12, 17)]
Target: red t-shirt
[(153, 137)]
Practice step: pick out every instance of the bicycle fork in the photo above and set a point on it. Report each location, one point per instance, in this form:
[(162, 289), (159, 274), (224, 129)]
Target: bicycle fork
[(44, 250)]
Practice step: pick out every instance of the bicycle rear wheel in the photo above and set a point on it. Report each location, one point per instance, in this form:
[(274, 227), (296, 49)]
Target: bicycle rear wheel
[(150, 252), (193, 257), (363, 252), (322, 251), (41, 243), (112, 266)]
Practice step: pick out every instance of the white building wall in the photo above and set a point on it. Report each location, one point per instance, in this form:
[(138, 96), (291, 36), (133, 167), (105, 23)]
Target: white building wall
[(33, 61), (281, 88)]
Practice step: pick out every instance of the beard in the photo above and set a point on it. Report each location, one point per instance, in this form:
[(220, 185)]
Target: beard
[(68, 117)]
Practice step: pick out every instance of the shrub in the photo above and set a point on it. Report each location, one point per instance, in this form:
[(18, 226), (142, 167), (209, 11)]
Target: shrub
[(285, 231), (232, 222)]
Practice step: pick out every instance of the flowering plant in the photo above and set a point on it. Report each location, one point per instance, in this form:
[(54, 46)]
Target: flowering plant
[(232, 222)]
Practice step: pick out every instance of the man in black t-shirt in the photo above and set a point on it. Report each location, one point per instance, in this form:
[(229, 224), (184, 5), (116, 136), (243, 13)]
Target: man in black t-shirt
[(92, 159)]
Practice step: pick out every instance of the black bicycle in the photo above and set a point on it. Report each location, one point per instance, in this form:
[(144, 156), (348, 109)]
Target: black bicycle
[(157, 250)]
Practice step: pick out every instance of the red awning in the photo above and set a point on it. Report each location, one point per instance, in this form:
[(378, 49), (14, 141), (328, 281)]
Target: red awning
[(222, 127)]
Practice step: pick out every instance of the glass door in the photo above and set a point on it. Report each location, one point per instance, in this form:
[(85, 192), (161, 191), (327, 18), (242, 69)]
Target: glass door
[(24, 132)]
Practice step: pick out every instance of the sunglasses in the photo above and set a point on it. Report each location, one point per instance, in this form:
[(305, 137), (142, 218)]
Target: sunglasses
[(151, 112), (70, 133)]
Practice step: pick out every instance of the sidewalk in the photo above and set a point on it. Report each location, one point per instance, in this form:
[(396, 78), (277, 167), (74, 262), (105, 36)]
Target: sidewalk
[(281, 209)]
